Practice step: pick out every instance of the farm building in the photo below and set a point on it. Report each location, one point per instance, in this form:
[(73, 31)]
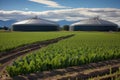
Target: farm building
[(35, 24), (94, 24)]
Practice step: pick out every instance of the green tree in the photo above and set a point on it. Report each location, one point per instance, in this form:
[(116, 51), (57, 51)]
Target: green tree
[(66, 27)]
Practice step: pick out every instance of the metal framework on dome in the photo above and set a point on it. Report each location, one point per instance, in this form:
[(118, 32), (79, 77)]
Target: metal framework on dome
[(95, 18), (35, 17)]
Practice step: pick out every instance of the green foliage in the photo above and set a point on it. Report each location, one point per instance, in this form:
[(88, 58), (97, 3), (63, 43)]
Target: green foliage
[(66, 27), (10, 40), (83, 48)]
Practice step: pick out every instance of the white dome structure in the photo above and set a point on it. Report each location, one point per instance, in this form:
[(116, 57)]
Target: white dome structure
[(94, 24), (35, 24)]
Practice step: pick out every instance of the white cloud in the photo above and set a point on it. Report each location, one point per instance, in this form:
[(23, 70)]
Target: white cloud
[(76, 14), (49, 3)]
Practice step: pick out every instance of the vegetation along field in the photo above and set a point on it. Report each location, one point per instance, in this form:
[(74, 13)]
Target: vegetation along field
[(10, 40), (83, 48)]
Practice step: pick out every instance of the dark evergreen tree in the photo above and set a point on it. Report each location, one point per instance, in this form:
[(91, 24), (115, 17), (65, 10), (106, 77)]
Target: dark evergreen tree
[(5, 28), (66, 27)]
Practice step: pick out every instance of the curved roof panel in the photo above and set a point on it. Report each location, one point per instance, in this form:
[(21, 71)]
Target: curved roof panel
[(94, 21), (35, 21)]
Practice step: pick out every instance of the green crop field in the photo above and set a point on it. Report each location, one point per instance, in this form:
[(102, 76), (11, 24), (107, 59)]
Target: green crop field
[(10, 40), (83, 48)]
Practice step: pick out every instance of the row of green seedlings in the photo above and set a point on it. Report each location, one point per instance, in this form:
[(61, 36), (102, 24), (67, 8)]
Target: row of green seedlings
[(70, 52), (10, 41)]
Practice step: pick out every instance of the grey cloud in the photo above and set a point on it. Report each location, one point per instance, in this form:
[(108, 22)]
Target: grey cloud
[(74, 14)]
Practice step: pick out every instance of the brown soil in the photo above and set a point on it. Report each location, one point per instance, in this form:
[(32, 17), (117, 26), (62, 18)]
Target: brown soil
[(6, 58), (83, 72), (108, 77)]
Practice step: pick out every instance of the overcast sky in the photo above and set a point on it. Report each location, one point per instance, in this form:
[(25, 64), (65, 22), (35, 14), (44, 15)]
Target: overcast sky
[(56, 10)]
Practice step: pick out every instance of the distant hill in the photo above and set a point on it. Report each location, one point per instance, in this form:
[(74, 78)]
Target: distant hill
[(64, 22), (7, 23)]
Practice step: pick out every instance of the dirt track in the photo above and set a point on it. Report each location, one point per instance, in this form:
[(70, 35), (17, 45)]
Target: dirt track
[(6, 58)]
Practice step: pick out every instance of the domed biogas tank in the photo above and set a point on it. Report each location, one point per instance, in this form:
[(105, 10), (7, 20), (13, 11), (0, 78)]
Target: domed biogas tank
[(94, 24), (35, 24)]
